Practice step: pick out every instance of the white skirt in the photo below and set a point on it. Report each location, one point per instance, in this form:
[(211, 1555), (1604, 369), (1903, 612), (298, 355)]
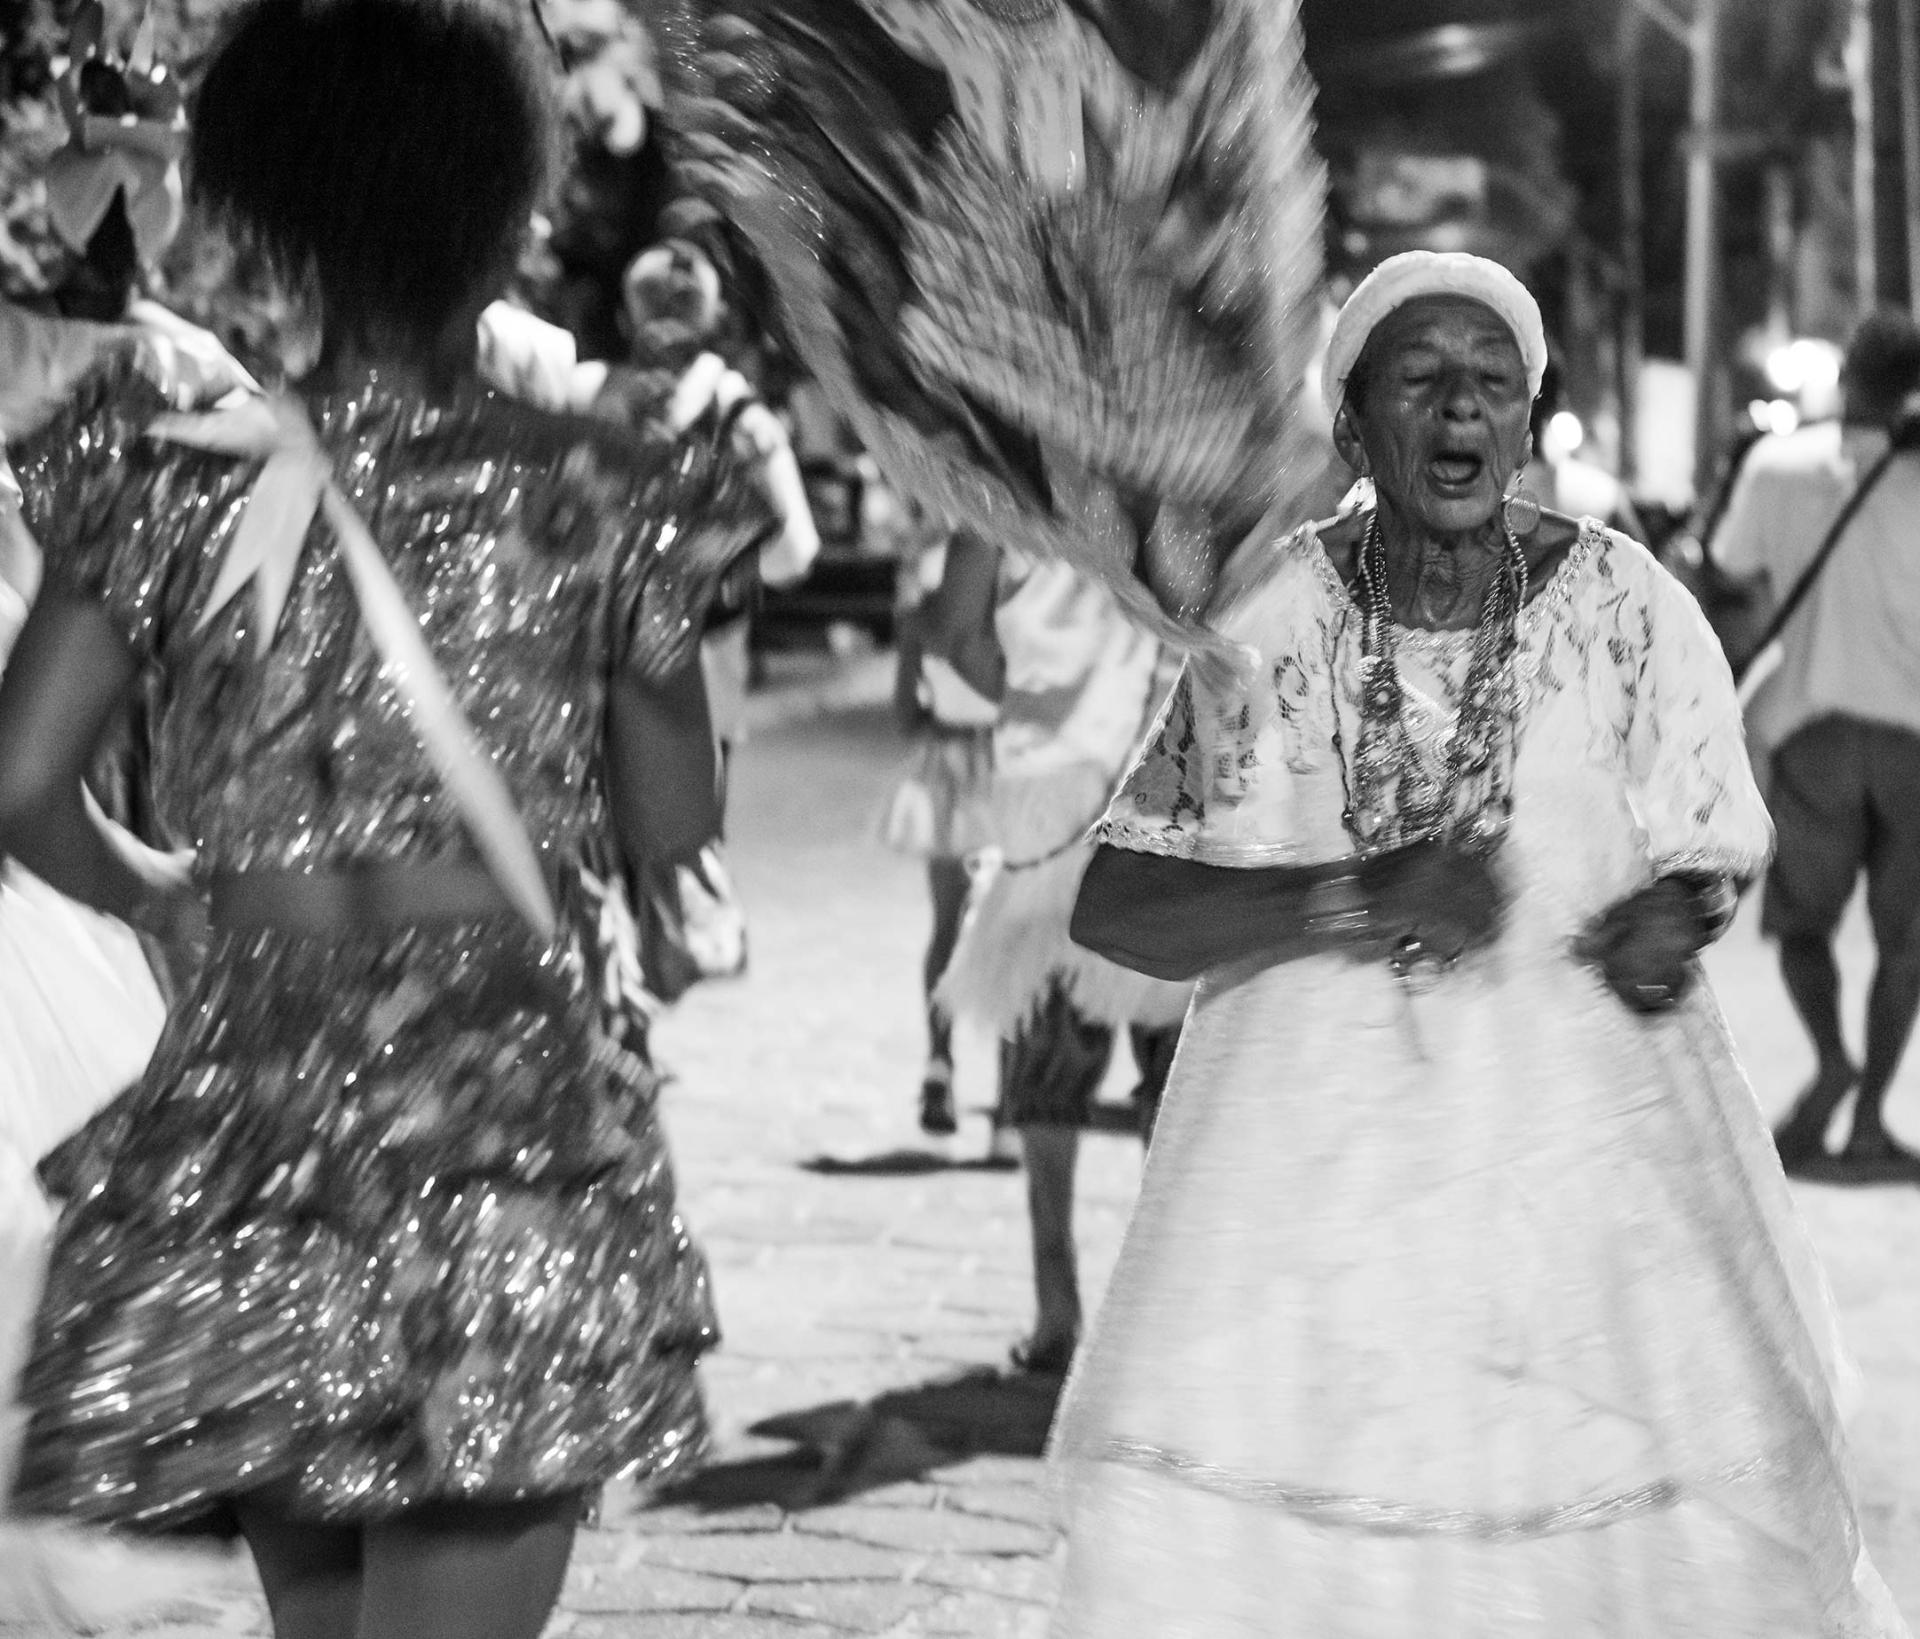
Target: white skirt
[(1482, 1312), (79, 1015)]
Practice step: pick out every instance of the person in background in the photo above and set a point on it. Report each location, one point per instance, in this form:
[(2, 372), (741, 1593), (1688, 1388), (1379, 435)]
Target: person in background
[(1838, 725), (673, 310), (1069, 685), (682, 917), (941, 811)]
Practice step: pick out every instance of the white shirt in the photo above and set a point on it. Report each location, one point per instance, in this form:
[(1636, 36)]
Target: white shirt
[(1854, 647)]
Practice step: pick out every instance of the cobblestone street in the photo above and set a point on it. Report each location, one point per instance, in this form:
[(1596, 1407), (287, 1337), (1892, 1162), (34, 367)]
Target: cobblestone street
[(877, 1470)]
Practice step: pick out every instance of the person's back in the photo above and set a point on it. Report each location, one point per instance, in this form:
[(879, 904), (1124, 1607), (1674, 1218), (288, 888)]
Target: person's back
[(529, 542), (380, 1256), (1854, 647)]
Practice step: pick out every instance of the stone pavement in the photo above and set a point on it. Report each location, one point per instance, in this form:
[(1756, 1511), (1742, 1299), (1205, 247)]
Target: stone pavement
[(878, 1472)]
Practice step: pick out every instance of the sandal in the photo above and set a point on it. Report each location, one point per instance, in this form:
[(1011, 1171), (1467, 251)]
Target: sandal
[(1003, 1151), (937, 1115)]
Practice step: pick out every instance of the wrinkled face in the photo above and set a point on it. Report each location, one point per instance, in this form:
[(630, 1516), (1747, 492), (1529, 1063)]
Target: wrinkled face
[(1439, 411)]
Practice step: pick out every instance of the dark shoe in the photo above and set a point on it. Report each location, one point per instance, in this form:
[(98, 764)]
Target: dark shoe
[(1878, 1160), (937, 1116), (1042, 1360)]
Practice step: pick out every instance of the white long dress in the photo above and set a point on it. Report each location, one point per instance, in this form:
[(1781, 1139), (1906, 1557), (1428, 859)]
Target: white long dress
[(1482, 1311)]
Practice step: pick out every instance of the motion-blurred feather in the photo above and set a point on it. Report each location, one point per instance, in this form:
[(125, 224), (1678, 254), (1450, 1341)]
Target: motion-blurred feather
[(1092, 353)]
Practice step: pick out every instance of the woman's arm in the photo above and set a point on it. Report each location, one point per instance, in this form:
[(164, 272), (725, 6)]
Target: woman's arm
[(66, 683), (1177, 918), (663, 769), (956, 622)]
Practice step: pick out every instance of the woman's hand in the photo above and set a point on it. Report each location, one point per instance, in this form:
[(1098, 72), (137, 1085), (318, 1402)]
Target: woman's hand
[(1644, 946), (186, 363), (1431, 902), (173, 924)]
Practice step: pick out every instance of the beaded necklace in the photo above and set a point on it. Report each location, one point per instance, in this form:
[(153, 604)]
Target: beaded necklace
[(1395, 795)]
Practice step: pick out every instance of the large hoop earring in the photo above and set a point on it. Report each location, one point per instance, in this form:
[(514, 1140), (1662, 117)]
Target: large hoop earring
[(1521, 510)]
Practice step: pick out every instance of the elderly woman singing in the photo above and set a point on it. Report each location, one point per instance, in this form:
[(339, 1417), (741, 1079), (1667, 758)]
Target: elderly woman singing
[(1464, 1295)]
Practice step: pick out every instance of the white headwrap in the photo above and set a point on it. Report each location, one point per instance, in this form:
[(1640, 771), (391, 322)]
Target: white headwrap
[(1416, 273)]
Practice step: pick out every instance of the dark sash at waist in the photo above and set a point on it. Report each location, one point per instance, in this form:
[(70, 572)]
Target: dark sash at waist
[(343, 899)]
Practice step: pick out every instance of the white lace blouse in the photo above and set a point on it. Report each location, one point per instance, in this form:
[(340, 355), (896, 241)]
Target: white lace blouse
[(1631, 759)]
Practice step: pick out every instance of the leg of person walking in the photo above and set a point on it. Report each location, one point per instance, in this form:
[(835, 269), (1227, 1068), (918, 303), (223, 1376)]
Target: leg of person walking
[(1893, 904), (311, 1573), (1153, 1049), (1818, 799), (947, 886), (1051, 1153), (468, 1570), (1049, 1076)]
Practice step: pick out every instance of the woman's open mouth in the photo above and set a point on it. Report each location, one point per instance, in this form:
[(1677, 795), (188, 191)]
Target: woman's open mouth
[(1456, 471)]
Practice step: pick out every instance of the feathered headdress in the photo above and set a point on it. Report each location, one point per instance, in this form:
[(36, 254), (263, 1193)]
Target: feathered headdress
[(1058, 261)]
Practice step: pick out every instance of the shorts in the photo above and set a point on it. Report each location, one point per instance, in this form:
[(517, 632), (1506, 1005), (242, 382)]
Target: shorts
[(1050, 1074), (1845, 798)]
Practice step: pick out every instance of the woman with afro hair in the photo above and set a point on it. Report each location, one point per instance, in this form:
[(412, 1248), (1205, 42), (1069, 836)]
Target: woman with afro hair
[(379, 1263)]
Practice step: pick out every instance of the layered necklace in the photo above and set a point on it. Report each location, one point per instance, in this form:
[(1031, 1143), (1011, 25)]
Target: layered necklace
[(1461, 790)]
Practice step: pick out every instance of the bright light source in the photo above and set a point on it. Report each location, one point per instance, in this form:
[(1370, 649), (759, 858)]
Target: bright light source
[(1562, 436), (1804, 365), (1774, 415), (1822, 372)]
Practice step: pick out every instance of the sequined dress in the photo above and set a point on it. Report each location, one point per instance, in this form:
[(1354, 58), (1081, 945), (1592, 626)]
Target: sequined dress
[(1479, 1310), (389, 1218)]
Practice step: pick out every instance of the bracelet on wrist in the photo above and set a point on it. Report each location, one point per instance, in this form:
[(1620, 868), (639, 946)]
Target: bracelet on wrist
[(1714, 901)]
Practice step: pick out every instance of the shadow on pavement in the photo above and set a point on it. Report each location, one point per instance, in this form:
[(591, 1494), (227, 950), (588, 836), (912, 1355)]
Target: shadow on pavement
[(846, 1447), (901, 1164), (1122, 1120)]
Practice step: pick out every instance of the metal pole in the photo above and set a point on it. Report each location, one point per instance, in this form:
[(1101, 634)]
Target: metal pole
[(1633, 254), (1703, 236), (1781, 316), (1866, 211), (1910, 140)]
